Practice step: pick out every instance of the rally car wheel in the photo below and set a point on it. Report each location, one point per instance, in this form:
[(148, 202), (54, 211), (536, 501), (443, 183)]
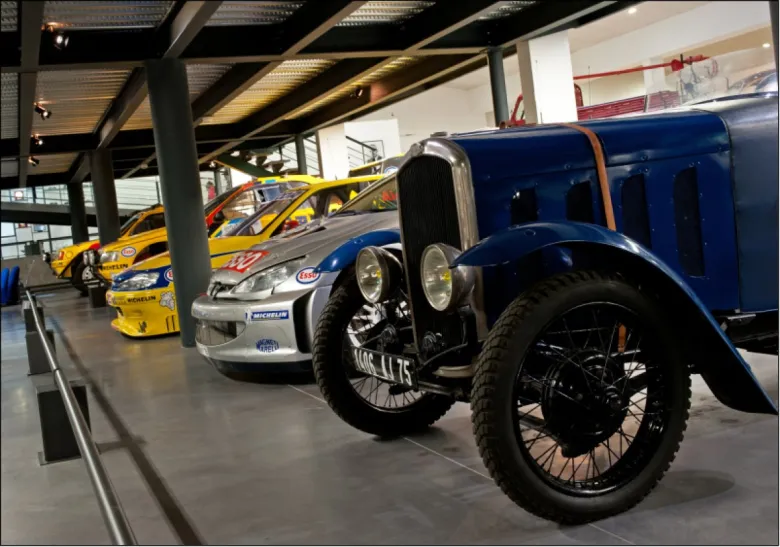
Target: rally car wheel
[(365, 402), (80, 276), (580, 398)]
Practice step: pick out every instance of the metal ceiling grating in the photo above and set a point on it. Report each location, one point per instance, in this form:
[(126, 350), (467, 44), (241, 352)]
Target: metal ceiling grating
[(374, 13), (253, 13), (8, 16), (91, 15), (9, 168), (280, 81), (52, 163), (9, 116), (199, 79), (378, 74), (507, 8), (77, 99)]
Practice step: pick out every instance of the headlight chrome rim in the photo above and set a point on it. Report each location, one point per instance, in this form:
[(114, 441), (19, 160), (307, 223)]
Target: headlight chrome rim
[(386, 265), (461, 279)]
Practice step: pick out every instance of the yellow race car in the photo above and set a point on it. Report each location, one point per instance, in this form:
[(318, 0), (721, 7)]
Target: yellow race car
[(143, 296), (235, 204), (69, 263)]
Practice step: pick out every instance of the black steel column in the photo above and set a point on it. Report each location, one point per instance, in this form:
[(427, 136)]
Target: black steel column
[(300, 152), (774, 17), (78, 213), (498, 85), (177, 160), (103, 188)]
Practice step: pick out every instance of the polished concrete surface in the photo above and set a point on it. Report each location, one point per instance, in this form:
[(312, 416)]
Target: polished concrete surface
[(198, 458)]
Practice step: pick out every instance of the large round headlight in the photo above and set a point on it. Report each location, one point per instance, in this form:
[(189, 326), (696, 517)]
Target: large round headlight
[(378, 273), (445, 288)]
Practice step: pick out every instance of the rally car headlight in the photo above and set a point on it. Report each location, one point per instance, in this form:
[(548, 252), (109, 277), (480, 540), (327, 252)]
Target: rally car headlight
[(445, 288), (111, 256), (378, 273), (270, 278), (138, 281)]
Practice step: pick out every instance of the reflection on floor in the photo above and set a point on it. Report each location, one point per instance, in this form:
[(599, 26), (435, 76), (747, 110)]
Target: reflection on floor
[(194, 455)]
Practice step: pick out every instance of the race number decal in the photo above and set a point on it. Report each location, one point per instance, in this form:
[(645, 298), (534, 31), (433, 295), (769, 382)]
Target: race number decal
[(128, 252), (307, 275), (243, 261)]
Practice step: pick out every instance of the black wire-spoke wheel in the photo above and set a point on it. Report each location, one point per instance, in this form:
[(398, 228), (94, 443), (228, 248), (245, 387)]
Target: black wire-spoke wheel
[(366, 402), (580, 398)]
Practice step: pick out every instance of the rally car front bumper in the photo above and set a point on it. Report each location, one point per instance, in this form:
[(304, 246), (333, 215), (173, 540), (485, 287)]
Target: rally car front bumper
[(271, 335), (141, 314)]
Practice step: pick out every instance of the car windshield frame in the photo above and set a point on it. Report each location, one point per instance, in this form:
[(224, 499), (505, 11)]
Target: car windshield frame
[(129, 223)]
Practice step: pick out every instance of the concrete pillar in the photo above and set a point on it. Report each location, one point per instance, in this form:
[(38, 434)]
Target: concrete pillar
[(498, 85), (78, 213), (104, 190), (547, 79), (773, 16), (332, 152), (177, 160), (300, 153)]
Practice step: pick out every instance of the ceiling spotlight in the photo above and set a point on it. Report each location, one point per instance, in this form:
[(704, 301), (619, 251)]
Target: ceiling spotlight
[(213, 164), (18, 195), (144, 166), (37, 140), (60, 40), (33, 161), (45, 114), (766, 45), (631, 11), (356, 93)]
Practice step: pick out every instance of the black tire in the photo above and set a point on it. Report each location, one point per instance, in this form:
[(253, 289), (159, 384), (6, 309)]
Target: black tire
[(76, 277), (331, 374), (494, 410)]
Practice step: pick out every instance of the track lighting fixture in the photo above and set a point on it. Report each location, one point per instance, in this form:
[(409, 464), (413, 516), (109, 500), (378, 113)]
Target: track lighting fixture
[(60, 39), (213, 164), (356, 93), (33, 161), (37, 140), (45, 114)]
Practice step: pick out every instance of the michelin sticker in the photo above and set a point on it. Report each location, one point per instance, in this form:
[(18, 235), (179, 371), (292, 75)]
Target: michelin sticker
[(307, 276), (127, 252), (169, 276), (267, 315), (266, 345), (166, 300)]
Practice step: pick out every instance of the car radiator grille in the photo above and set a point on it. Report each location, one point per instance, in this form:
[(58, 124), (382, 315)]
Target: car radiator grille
[(428, 214), (215, 333)]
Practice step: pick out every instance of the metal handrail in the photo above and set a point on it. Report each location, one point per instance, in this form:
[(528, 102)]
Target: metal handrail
[(112, 511)]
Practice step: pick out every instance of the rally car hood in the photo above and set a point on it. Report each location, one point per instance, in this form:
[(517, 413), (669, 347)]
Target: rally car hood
[(314, 240), (217, 247)]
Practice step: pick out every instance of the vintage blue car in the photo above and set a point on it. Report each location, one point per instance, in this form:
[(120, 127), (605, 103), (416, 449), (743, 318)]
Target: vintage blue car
[(570, 317)]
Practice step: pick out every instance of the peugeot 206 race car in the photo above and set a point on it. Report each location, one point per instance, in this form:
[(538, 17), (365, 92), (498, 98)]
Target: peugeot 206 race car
[(233, 204), (144, 295), (259, 312), (69, 263), (567, 280)]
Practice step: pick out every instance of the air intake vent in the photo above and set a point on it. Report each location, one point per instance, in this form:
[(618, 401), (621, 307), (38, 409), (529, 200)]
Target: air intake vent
[(636, 222), (688, 222), (579, 203)]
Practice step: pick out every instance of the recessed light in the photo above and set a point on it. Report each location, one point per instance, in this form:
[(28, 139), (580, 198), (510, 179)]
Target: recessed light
[(631, 11), (766, 45)]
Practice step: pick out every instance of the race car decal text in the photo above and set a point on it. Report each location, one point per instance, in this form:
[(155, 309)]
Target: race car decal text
[(140, 299), (307, 275), (266, 345), (243, 261), (113, 266), (268, 315), (127, 252)]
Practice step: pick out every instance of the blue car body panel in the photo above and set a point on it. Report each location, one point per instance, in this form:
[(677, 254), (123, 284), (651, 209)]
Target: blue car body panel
[(346, 254)]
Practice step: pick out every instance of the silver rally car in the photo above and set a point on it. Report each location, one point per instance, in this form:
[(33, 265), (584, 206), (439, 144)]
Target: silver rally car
[(261, 307)]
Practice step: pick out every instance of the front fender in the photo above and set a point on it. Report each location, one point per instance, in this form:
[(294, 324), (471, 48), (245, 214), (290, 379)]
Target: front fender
[(346, 253), (720, 364)]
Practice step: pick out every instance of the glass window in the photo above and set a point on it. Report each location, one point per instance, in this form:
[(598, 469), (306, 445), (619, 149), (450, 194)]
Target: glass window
[(381, 196), (241, 206), (266, 214), (152, 222), (129, 223)]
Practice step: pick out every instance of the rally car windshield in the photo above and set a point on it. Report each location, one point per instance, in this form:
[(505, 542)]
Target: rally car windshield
[(256, 223), (382, 196), (129, 224)]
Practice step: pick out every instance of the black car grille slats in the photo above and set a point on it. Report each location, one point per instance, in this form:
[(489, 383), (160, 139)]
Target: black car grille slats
[(428, 214), (215, 333)]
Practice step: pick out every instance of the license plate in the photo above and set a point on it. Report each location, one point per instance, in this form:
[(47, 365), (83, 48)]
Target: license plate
[(395, 369)]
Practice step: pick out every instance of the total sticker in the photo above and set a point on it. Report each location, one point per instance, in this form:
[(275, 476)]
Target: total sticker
[(169, 275), (307, 276), (266, 345), (243, 261), (127, 252)]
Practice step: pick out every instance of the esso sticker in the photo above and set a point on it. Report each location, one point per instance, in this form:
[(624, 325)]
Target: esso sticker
[(127, 252), (169, 275), (243, 261), (307, 275)]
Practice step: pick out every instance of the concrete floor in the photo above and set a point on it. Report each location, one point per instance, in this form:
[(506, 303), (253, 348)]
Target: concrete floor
[(198, 458)]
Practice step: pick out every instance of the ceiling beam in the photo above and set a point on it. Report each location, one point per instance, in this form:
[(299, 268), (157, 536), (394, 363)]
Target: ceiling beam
[(30, 22)]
